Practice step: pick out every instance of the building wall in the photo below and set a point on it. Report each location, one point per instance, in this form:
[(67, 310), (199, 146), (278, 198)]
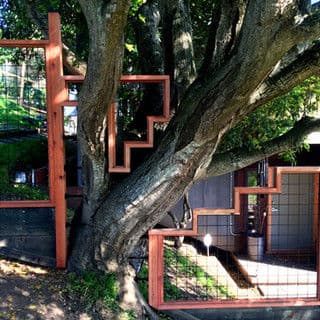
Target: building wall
[(215, 192)]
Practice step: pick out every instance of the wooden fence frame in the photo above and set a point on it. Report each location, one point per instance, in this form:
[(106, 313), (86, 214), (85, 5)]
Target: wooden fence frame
[(128, 145), (57, 97), (156, 249)]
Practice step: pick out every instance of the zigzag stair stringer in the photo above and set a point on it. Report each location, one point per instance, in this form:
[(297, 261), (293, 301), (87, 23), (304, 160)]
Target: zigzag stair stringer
[(128, 145), (275, 187)]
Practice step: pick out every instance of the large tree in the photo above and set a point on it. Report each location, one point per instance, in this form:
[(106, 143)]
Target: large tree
[(250, 52)]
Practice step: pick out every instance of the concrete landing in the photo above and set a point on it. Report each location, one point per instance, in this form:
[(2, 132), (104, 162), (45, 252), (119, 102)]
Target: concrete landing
[(280, 281)]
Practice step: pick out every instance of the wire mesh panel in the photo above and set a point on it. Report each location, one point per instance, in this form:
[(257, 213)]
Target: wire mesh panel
[(270, 258), (293, 214), (28, 234), (197, 272), (23, 125), (220, 264)]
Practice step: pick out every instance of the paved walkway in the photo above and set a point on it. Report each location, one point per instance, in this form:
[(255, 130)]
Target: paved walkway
[(280, 281)]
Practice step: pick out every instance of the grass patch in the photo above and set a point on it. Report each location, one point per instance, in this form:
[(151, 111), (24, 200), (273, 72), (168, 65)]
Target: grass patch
[(184, 279), (93, 287), (14, 115)]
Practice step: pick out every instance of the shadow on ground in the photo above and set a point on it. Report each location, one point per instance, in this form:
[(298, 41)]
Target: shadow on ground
[(32, 292)]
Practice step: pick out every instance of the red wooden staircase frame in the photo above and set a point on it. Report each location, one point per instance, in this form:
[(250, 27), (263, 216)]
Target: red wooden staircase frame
[(148, 143)]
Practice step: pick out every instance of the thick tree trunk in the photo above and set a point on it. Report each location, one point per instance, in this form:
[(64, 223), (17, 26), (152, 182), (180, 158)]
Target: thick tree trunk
[(210, 106), (218, 99)]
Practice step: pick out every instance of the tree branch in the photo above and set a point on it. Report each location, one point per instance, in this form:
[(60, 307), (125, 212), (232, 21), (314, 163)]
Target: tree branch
[(231, 19), (288, 75), (308, 26), (287, 27), (149, 45), (239, 158), (151, 58), (225, 26), (72, 63), (70, 60), (184, 65), (106, 22), (208, 56)]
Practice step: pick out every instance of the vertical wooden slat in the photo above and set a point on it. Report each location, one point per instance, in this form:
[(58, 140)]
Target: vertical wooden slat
[(56, 94), (269, 210), (155, 270), (166, 98), (111, 137), (278, 177), (160, 270), (315, 208), (152, 271), (316, 228)]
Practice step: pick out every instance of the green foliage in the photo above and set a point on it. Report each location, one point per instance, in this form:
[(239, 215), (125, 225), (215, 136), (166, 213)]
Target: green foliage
[(143, 281), (184, 268), (129, 99), (22, 192), (14, 22), (22, 156), (201, 15), (135, 5), (93, 287), (275, 118), (25, 154)]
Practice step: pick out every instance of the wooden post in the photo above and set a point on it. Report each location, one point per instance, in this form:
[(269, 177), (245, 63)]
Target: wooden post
[(269, 210), (155, 270), (56, 94), (315, 208), (316, 228)]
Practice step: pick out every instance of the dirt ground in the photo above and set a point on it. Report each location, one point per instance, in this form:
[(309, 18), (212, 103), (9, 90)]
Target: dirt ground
[(31, 292)]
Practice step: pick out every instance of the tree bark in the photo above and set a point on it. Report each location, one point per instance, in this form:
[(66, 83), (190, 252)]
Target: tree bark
[(211, 105), (106, 22), (241, 80)]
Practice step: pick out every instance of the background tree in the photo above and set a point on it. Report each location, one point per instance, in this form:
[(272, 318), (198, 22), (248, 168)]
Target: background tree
[(225, 60)]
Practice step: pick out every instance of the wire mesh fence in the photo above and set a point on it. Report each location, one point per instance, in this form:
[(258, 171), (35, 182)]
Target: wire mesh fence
[(23, 125), (276, 261)]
